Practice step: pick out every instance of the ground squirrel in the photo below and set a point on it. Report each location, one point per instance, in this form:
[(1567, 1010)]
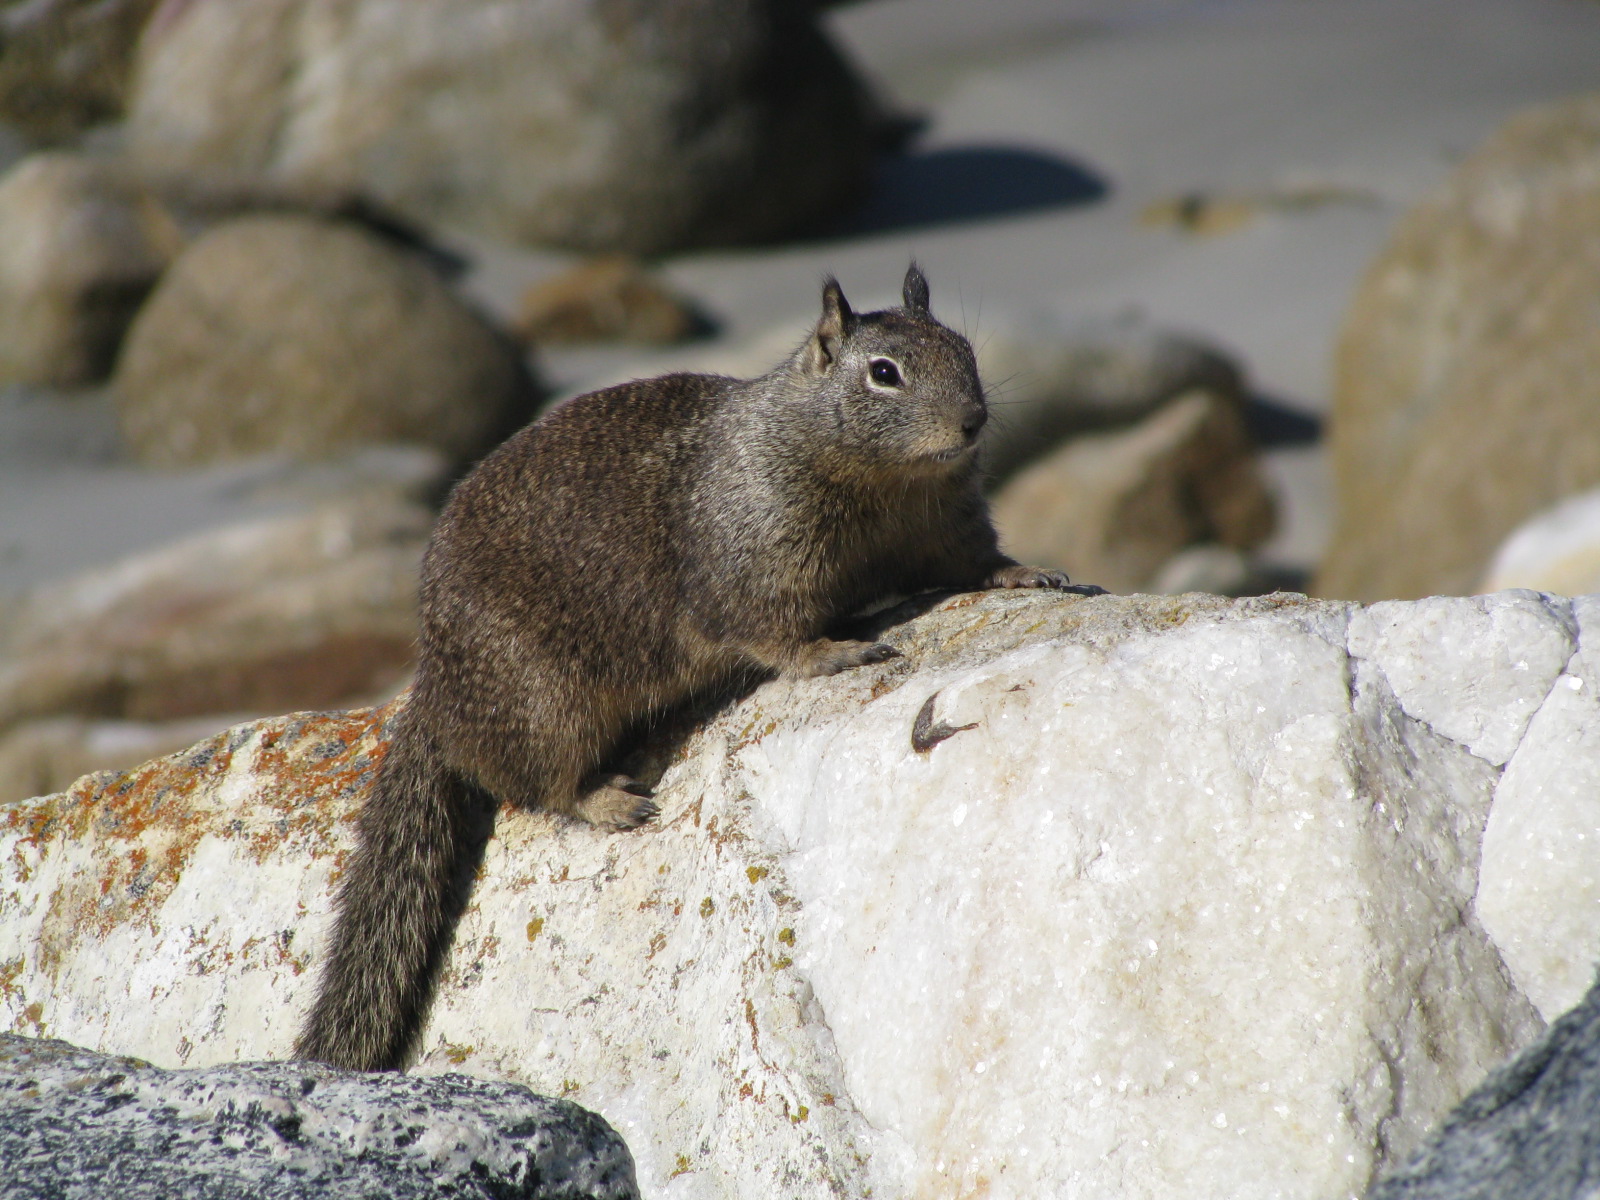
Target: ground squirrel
[(631, 549)]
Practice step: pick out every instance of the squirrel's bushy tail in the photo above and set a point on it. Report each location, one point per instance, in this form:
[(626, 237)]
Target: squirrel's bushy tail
[(421, 837)]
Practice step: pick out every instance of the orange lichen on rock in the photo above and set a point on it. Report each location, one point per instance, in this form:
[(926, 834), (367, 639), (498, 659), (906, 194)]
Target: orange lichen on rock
[(283, 781)]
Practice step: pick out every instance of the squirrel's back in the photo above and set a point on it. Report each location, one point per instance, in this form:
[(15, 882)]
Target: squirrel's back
[(569, 529)]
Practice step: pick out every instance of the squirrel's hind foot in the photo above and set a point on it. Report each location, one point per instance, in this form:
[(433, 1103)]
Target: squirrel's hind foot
[(828, 657), (617, 802)]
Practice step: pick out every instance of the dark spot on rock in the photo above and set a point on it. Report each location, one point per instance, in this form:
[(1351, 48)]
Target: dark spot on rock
[(926, 733)]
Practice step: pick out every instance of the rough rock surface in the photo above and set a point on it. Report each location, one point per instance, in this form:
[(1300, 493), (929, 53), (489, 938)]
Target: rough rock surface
[(64, 64), (1114, 508), (75, 1125), (306, 336), (1466, 395), (81, 245), (600, 125), (47, 754), (1527, 1133), (1117, 896), (310, 607)]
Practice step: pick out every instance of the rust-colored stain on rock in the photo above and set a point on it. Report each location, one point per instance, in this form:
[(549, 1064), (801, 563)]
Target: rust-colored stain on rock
[(283, 781)]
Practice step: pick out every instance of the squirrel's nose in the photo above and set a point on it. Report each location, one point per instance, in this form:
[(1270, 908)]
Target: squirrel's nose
[(973, 422)]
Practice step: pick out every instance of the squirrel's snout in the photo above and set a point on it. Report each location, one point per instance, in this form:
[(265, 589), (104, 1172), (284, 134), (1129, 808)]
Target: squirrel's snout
[(973, 422)]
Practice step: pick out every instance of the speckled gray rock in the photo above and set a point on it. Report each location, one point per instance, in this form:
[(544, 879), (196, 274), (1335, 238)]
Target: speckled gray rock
[(1530, 1132), (75, 1124)]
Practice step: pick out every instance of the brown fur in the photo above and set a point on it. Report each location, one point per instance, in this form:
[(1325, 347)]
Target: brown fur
[(634, 548)]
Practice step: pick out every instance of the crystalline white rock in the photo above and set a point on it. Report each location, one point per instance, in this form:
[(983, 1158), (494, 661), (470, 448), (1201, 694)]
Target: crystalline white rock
[(1539, 886), (1214, 789), (1473, 668)]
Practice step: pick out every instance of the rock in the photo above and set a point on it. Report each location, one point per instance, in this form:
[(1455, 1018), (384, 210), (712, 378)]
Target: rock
[(1048, 383), (1184, 902), (1536, 897), (311, 607), (1532, 670), (1210, 214), (605, 299), (64, 64), (294, 334), (1556, 551), (1113, 508), (1526, 1133), (78, 1124), (1466, 390), (81, 245), (602, 126), (43, 756)]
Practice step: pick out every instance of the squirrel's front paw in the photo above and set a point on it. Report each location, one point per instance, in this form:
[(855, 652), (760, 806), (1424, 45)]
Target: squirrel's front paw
[(1019, 576)]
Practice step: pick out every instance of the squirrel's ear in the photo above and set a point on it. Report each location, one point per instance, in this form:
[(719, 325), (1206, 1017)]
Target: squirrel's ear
[(831, 330), (915, 290)]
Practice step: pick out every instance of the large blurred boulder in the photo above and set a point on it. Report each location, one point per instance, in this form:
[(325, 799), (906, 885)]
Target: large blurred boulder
[(301, 594), (601, 125), (1114, 508), (1050, 382), (1558, 550), (609, 298), (64, 64), (306, 608), (297, 334), (82, 242), (1468, 393)]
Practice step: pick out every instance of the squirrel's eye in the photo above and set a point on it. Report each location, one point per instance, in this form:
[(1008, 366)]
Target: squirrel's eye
[(885, 372)]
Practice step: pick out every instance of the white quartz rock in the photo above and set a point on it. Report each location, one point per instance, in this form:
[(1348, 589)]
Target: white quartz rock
[(1172, 890), (1133, 897), (1539, 891), (1474, 668)]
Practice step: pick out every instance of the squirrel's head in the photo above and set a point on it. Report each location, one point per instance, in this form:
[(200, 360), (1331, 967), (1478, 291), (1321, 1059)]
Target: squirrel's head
[(900, 388)]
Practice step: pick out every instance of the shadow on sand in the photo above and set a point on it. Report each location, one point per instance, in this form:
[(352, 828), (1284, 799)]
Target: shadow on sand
[(920, 188)]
